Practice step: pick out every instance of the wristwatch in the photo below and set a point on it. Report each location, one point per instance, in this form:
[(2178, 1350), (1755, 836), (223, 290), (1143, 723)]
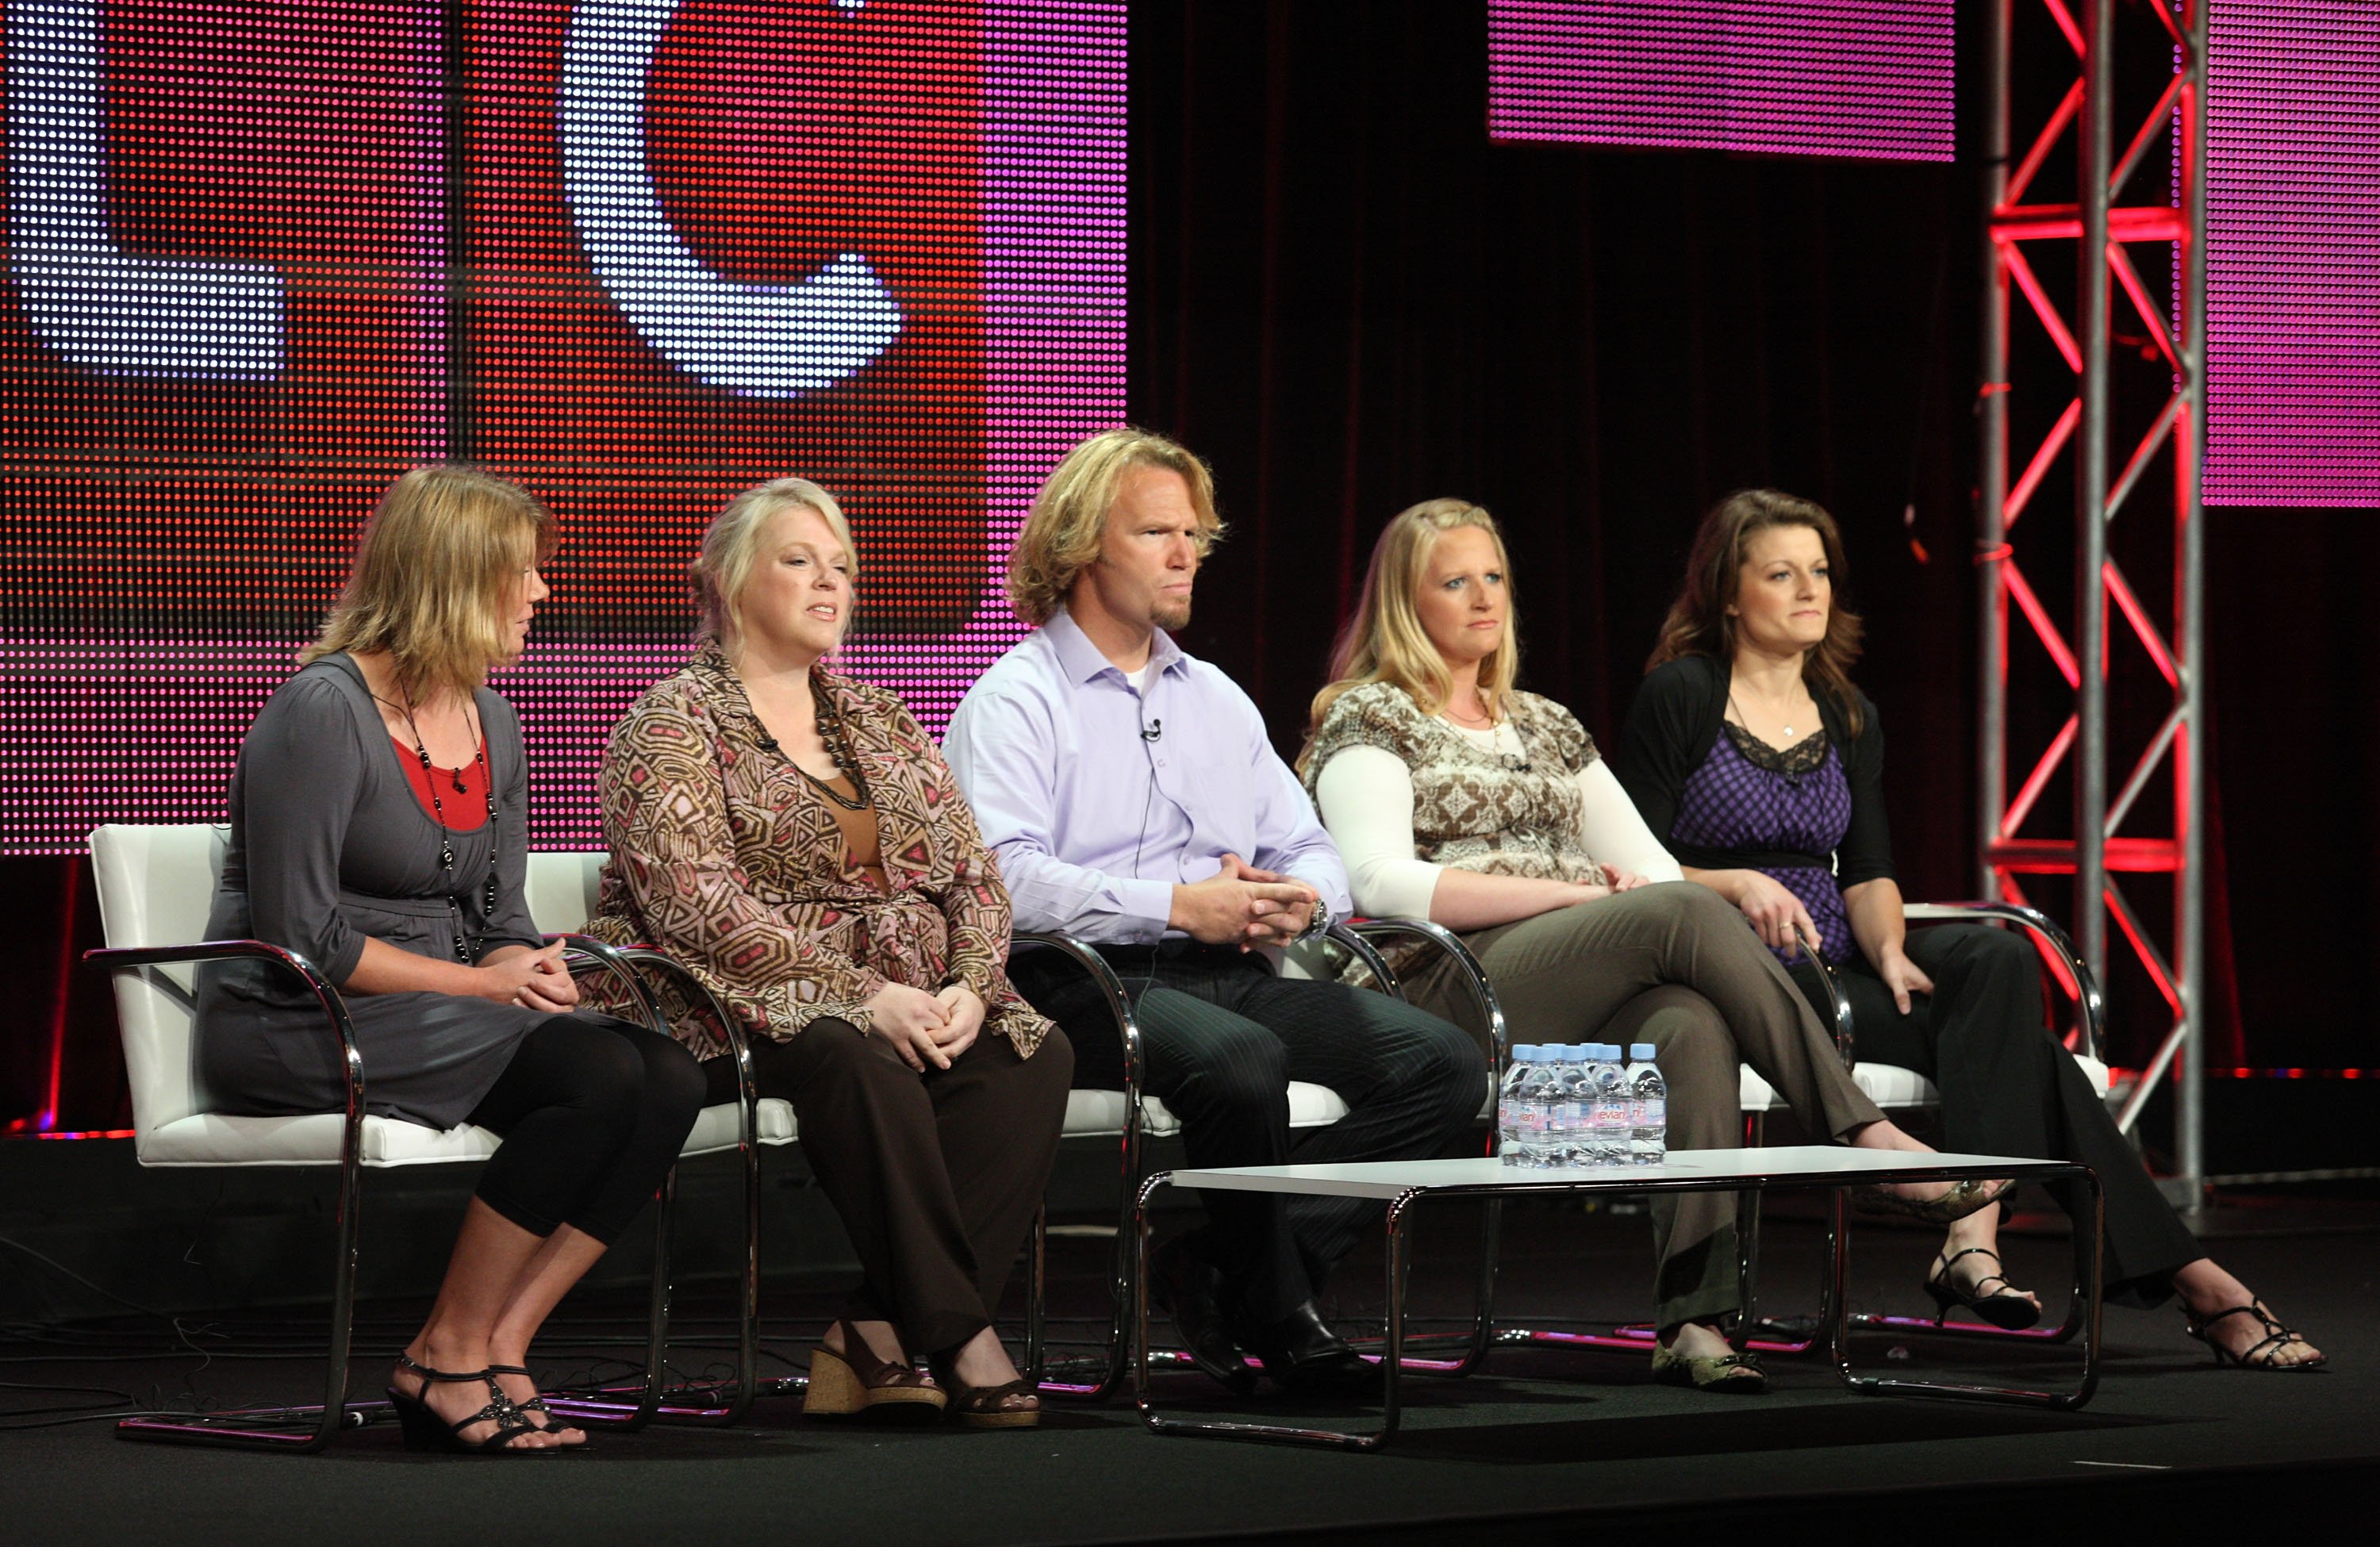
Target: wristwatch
[(1320, 922)]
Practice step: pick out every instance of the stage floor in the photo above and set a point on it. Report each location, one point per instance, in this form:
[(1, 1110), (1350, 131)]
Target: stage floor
[(1542, 1446)]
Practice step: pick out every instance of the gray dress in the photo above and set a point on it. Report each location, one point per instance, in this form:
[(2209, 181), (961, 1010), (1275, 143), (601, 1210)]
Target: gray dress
[(330, 845)]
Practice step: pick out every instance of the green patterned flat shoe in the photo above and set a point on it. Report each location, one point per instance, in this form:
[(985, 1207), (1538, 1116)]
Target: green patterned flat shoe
[(1736, 1375)]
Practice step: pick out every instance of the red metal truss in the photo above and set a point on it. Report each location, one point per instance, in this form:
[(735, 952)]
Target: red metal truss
[(2101, 838)]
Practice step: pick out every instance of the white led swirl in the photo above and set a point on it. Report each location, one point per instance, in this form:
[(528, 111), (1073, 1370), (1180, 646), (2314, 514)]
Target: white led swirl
[(755, 340)]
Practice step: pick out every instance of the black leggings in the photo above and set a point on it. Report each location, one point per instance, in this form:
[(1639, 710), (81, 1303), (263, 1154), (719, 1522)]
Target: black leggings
[(592, 1111)]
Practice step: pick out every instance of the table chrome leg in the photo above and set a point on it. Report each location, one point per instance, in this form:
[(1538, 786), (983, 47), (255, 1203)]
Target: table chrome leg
[(1391, 1362), (2090, 1260)]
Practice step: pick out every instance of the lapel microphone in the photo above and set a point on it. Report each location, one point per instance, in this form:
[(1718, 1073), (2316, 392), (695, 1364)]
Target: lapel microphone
[(1153, 731)]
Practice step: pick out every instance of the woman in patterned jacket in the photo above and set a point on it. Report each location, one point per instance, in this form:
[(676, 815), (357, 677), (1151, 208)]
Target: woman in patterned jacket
[(1455, 797), (793, 837)]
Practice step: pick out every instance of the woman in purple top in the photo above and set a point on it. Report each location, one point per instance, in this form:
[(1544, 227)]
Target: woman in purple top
[(1750, 752)]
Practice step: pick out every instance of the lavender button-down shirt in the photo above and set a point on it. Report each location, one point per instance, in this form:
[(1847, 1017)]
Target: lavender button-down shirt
[(1099, 800)]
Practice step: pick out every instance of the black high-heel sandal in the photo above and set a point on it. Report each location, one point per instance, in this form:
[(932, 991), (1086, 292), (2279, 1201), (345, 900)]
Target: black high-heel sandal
[(2004, 1307), (2276, 1338), (426, 1430), (535, 1405)]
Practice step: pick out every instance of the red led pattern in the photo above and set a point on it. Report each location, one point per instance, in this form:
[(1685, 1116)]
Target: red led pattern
[(668, 248)]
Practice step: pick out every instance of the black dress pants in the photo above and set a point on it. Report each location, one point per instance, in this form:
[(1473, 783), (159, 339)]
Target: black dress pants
[(1222, 1039), (937, 1175), (2009, 1088)]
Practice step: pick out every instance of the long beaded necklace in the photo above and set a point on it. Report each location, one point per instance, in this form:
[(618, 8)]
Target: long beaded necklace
[(836, 740), (445, 834)]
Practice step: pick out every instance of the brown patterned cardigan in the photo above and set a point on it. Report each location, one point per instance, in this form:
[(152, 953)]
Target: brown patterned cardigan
[(722, 855)]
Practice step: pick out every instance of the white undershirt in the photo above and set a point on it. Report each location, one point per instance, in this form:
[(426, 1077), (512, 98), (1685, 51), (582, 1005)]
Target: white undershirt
[(1367, 798)]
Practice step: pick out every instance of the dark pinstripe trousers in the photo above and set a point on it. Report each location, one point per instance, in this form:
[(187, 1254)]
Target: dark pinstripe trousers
[(1222, 1039)]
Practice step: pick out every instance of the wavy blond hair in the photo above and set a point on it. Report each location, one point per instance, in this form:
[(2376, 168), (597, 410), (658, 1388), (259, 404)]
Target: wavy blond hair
[(723, 563), (1385, 641), (435, 575), (1069, 516)]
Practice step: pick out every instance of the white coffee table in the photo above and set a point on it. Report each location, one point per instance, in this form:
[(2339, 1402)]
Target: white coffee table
[(1403, 1184)]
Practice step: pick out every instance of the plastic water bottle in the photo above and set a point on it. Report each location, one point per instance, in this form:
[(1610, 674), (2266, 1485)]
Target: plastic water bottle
[(1610, 1106), (1568, 1094), (1648, 1134), (1516, 1114)]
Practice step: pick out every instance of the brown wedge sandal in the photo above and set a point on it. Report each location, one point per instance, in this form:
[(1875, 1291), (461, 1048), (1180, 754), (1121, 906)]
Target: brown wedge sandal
[(854, 1383), (1010, 1404)]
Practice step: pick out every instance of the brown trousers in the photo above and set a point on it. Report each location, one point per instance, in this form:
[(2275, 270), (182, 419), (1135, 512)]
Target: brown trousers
[(936, 1176), (1676, 965)]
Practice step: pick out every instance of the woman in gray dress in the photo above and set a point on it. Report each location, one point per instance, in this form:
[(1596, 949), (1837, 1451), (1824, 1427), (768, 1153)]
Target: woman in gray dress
[(379, 829)]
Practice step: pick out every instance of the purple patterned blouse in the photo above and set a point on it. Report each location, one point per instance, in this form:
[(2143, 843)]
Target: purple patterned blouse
[(1748, 794)]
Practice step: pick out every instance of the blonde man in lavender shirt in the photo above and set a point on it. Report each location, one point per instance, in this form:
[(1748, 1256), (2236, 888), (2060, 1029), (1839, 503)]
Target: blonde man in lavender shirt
[(1136, 803)]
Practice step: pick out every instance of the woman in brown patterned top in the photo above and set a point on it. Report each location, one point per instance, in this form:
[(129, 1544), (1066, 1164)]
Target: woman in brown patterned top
[(1455, 797), (795, 837)]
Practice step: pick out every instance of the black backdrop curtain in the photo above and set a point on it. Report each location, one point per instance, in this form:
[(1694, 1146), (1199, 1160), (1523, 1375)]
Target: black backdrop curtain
[(1350, 299)]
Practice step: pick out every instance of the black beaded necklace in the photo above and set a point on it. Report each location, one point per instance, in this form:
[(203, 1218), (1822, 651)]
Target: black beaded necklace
[(837, 741), (445, 834)]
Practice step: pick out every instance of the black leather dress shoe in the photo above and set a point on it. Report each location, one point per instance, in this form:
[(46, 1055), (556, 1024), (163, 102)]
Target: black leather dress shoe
[(1189, 1288), (1304, 1355)]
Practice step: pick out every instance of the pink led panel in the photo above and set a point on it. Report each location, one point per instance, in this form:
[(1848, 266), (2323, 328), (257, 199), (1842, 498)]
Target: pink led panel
[(669, 247), (1827, 78), (2293, 253)]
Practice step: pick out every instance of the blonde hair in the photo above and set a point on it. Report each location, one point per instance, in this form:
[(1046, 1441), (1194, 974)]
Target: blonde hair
[(723, 563), (434, 577), (1385, 641), (1069, 516)]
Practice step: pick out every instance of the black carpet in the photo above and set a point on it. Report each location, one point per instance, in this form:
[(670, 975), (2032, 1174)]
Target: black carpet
[(1544, 1446)]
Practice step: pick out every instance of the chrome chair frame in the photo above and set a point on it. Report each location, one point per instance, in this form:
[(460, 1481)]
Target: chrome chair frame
[(654, 1399)]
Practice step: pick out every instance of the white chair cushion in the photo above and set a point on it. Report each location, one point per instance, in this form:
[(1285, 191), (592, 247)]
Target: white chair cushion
[(1891, 1086), (214, 1139), (1100, 1113)]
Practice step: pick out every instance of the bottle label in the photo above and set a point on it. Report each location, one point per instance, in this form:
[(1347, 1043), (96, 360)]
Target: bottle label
[(1652, 1112)]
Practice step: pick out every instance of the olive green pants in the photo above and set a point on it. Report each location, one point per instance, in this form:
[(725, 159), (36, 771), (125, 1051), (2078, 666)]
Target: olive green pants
[(1674, 965)]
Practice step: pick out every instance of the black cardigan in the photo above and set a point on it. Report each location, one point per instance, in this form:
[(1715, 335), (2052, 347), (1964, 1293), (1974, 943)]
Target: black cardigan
[(1672, 725)]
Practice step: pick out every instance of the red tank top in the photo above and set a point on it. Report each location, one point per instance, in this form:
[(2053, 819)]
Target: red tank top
[(463, 791)]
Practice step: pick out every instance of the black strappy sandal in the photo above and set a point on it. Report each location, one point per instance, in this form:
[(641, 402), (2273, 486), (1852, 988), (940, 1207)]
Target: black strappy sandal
[(2004, 1307), (426, 1430), (2276, 1338), (536, 1406)]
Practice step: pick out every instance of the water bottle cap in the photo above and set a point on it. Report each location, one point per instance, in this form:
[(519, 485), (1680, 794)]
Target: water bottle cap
[(1527, 1052), (1640, 1053), (1608, 1052)]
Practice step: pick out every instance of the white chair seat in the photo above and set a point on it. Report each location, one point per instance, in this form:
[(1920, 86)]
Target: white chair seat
[(216, 1138), (1100, 1113), (1891, 1087)]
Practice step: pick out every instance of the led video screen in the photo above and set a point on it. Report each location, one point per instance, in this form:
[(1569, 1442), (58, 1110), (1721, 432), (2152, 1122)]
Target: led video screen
[(2293, 253), (637, 254), (1830, 78)]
